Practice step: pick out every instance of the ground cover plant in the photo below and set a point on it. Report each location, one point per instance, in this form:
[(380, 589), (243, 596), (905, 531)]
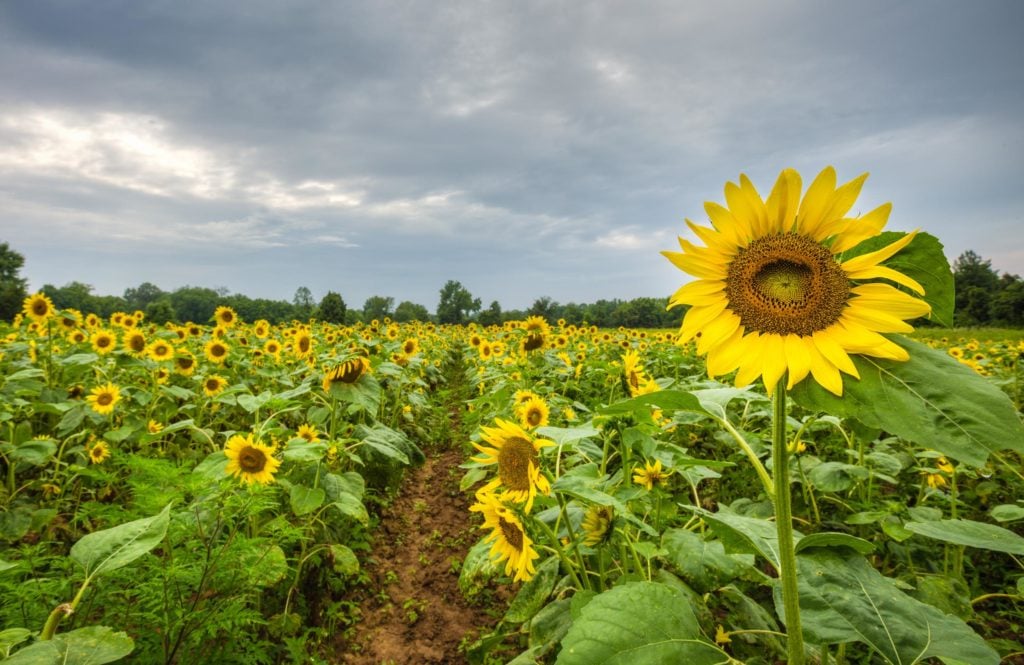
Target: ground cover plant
[(796, 475)]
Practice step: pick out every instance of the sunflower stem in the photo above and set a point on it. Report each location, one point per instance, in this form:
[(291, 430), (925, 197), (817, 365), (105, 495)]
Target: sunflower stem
[(784, 528)]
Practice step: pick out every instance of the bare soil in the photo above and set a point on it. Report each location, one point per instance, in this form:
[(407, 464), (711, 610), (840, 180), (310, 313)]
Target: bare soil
[(413, 611)]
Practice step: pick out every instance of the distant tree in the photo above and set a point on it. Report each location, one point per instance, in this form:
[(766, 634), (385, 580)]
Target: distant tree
[(332, 308), (377, 307), (976, 283), (639, 313), (456, 304), (546, 308), (141, 296), (304, 302), (161, 311), (75, 295), (490, 316), (353, 316), (573, 314), (1007, 307), (410, 311), (13, 287), (195, 304)]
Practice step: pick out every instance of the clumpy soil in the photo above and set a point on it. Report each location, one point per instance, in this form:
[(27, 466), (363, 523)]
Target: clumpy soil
[(412, 610)]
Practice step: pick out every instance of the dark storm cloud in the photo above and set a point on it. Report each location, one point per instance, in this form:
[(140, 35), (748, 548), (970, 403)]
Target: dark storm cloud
[(525, 149)]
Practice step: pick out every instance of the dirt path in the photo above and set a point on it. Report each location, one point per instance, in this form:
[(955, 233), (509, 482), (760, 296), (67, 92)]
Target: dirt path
[(412, 610)]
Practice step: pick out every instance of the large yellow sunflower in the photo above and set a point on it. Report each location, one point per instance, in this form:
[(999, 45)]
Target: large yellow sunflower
[(103, 399), (250, 460), (38, 307), (216, 351), (103, 341), (510, 542), (225, 316), (773, 293), (517, 455)]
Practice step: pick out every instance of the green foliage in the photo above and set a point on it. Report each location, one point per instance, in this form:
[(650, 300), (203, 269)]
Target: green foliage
[(13, 287), (456, 304), (377, 307), (332, 308)]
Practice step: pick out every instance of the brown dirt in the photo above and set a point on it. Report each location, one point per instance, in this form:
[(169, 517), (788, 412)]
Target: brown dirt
[(413, 611)]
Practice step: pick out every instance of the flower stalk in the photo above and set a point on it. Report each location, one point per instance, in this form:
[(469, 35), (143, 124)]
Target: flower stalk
[(784, 528)]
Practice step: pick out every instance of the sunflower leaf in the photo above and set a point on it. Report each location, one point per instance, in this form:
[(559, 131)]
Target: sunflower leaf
[(973, 534), (922, 260), (931, 399), (638, 622), (109, 549)]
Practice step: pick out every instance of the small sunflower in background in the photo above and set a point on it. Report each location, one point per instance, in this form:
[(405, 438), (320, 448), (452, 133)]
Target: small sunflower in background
[(134, 342), (348, 372), (250, 460), (38, 307), (98, 452), (651, 475), (216, 351), (160, 350), (510, 542), (184, 362), (773, 294), (154, 427), (214, 384), (302, 343), (103, 399), (308, 432), (272, 348), (533, 413), (103, 341), (410, 347), (597, 525), (517, 455), (225, 317)]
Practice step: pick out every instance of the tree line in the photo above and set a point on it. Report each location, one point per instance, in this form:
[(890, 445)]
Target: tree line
[(983, 298)]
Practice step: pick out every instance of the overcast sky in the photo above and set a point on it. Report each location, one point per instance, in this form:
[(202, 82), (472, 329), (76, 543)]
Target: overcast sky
[(523, 148)]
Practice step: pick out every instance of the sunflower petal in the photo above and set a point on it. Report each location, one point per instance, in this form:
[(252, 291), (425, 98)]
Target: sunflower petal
[(697, 318), (870, 259), (862, 228), (713, 239), (726, 357), (714, 332), (832, 351), (798, 357), (890, 300), (698, 292), (696, 266), (826, 374), (885, 272), (737, 231), (773, 360), (874, 319), (816, 201), (762, 224), (838, 205), (742, 209), (784, 201)]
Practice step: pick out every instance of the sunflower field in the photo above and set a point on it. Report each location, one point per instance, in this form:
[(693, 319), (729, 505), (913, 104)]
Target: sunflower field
[(796, 475)]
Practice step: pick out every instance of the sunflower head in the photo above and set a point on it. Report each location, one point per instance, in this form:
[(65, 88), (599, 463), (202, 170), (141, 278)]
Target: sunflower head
[(214, 384), (104, 398), (651, 475), (308, 432), (534, 413), (517, 455), (216, 351), (508, 538), (597, 525), (225, 317), (98, 452), (134, 342), (38, 307), (773, 293), (348, 372), (250, 460)]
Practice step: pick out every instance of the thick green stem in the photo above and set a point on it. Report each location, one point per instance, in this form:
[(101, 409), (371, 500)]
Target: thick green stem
[(784, 528)]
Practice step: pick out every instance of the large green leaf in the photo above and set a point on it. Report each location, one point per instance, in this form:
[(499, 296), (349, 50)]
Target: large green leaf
[(703, 563), (924, 260), (743, 534), (107, 550), (931, 399), (92, 645), (305, 500), (533, 594), (973, 534), (638, 622), (844, 599)]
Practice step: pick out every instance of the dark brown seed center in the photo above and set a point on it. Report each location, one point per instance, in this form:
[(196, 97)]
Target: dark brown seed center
[(514, 460)]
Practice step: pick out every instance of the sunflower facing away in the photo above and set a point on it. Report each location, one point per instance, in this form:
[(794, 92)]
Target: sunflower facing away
[(510, 542), (348, 372), (517, 455), (103, 399), (773, 294), (250, 460)]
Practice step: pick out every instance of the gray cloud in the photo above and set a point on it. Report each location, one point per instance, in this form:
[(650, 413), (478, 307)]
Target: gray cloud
[(525, 149)]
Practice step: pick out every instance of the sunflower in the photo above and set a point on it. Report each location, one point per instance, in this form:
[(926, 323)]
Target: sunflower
[(309, 433), (773, 294), (522, 397), (261, 328), (225, 316), (510, 542), (216, 351), (38, 307), (98, 452), (517, 455), (348, 372), (533, 413), (134, 342), (651, 475), (597, 525), (103, 399), (214, 384), (160, 350), (302, 344), (410, 347), (272, 347), (250, 460), (77, 336), (184, 362), (92, 321), (154, 426)]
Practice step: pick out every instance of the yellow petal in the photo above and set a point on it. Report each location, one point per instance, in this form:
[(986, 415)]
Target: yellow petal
[(827, 376), (697, 318), (798, 357), (874, 258), (713, 333), (696, 266), (784, 200), (832, 351), (762, 224), (838, 205), (737, 231), (773, 360), (750, 363), (855, 338), (873, 319), (862, 228), (726, 357), (741, 208), (713, 239), (698, 292), (816, 201), (890, 300), (884, 272)]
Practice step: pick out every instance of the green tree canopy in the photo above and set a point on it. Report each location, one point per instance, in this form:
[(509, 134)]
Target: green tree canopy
[(456, 304), (377, 307), (13, 287), (332, 308), (410, 311)]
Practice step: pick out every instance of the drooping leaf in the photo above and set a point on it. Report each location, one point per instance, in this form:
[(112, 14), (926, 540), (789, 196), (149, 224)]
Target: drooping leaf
[(345, 561), (743, 534), (533, 594), (305, 500), (1007, 512), (350, 506), (300, 450), (638, 622), (836, 476), (704, 564), (265, 565), (931, 399), (832, 539), (107, 550), (35, 452), (844, 599), (970, 533)]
